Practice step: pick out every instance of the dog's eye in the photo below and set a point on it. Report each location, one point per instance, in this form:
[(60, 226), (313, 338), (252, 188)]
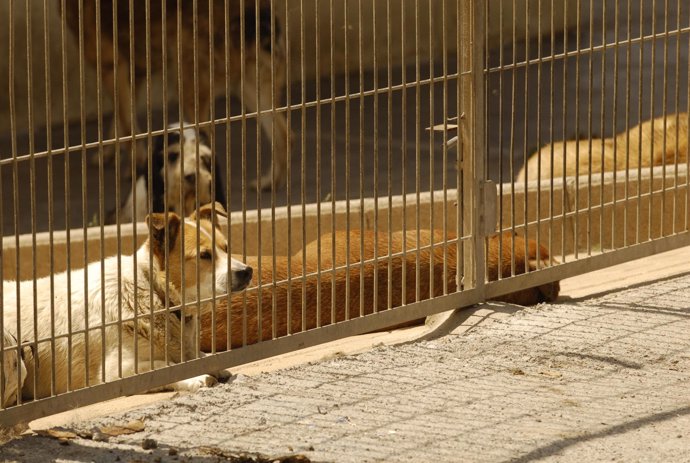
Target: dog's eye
[(206, 255), (173, 155)]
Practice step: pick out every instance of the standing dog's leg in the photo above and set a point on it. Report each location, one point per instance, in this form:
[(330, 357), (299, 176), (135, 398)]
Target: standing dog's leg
[(271, 124)]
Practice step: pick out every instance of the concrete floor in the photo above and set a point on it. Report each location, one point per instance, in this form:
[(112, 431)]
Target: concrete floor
[(556, 94)]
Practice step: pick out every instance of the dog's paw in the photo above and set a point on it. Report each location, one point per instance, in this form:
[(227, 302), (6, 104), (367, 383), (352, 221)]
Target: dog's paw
[(196, 383), (223, 376)]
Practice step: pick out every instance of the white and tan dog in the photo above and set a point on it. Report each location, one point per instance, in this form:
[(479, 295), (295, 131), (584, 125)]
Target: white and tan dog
[(97, 323), (655, 142)]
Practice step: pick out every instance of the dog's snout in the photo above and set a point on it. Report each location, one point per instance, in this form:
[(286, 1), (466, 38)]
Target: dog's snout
[(245, 276)]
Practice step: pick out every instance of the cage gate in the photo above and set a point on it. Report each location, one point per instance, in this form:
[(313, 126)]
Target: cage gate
[(373, 162), (323, 132)]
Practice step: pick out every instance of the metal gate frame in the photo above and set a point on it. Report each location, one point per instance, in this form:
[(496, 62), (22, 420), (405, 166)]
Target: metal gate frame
[(470, 101), (476, 221)]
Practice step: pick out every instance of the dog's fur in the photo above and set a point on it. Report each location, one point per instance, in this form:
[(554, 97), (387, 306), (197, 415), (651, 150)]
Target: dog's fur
[(100, 303), (255, 92), (658, 145), (333, 286), (184, 184), (13, 367)]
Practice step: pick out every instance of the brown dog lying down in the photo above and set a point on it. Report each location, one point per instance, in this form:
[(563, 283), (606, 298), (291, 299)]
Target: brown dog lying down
[(527, 296), (647, 136)]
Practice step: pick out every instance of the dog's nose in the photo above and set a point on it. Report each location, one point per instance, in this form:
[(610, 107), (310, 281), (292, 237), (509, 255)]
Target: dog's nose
[(244, 276)]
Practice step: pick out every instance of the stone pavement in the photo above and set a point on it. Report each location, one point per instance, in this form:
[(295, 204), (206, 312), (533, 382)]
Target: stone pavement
[(603, 378)]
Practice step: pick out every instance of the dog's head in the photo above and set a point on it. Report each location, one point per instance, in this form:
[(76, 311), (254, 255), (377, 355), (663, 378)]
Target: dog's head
[(197, 258), (185, 181), (12, 363)]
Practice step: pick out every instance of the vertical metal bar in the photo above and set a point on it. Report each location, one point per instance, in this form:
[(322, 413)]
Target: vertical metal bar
[(51, 203), (166, 182), (444, 52), (84, 192), (651, 115), (133, 164), (101, 179), (274, 103), (513, 104), (639, 121), (501, 128), (375, 63), (589, 142), (463, 262), (181, 117), (616, 25), (602, 122), (228, 166), (149, 193), (243, 109), (389, 154), (4, 375), (32, 181), (68, 212), (360, 137), (318, 165), (288, 172), (552, 25), (118, 179), (417, 146), (214, 171), (303, 185), (578, 53), (403, 154), (525, 132), (676, 108), (347, 163), (628, 110), (333, 156), (664, 109), (15, 178), (197, 116), (259, 110), (331, 45), (687, 135), (473, 126), (539, 135), (431, 148)]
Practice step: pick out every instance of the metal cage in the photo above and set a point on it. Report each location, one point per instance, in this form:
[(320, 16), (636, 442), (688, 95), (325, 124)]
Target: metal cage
[(367, 156)]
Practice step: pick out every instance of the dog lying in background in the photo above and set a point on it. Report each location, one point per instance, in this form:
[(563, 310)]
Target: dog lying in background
[(263, 53), (13, 368), (142, 290), (646, 148), (185, 185), (333, 288)]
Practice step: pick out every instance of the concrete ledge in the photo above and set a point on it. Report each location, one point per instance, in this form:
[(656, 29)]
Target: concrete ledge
[(602, 213), (587, 216)]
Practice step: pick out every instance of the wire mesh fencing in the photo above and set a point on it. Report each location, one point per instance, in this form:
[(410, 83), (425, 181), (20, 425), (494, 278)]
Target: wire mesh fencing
[(192, 185)]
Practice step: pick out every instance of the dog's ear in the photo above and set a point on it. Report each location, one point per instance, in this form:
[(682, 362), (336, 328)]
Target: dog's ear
[(157, 224), (28, 352), (206, 212)]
